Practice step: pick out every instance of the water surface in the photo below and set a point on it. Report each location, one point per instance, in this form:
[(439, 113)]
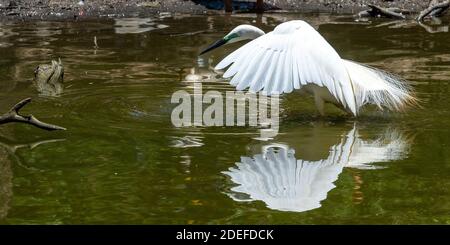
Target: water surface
[(122, 161)]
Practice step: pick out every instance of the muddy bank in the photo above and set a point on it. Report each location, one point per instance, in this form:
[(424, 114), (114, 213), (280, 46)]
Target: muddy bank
[(75, 9)]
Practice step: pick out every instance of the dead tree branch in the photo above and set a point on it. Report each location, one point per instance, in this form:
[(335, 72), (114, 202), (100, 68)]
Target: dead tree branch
[(385, 12), (13, 115), (434, 10)]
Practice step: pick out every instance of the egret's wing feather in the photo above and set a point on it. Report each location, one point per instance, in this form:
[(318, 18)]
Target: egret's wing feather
[(247, 75), (230, 58), (373, 86), (291, 56)]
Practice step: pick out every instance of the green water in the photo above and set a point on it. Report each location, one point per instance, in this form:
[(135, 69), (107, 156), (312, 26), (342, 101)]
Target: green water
[(122, 161)]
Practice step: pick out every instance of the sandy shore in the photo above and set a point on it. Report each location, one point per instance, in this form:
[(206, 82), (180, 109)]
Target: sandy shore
[(71, 9)]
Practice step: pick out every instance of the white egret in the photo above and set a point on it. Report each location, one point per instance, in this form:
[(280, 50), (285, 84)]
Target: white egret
[(295, 56)]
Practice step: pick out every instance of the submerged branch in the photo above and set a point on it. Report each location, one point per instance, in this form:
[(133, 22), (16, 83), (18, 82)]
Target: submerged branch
[(13, 115)]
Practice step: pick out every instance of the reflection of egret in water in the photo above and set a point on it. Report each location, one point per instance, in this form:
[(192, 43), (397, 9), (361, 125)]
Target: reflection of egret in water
[(363, 153), (285, 183)]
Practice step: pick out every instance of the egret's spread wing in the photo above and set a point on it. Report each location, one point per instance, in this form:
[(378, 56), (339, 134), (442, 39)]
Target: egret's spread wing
[(291, 56)]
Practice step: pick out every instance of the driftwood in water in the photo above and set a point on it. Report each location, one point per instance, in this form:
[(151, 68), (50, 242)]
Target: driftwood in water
[(435, 9), (13, 116), (377, 11)]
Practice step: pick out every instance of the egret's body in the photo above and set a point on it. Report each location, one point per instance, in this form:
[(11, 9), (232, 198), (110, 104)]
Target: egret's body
[(295, 56)]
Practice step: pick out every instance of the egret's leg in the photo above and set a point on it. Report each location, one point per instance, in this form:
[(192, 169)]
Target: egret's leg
[(320, 104)]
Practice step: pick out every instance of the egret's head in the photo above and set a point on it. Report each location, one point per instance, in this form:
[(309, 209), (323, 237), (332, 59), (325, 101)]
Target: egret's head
[(242, 32)]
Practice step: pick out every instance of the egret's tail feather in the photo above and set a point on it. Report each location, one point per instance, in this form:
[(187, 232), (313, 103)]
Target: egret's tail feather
[(374, 86)]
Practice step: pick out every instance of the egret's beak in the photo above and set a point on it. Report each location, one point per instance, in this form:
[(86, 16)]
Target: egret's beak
[(214, 46)]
